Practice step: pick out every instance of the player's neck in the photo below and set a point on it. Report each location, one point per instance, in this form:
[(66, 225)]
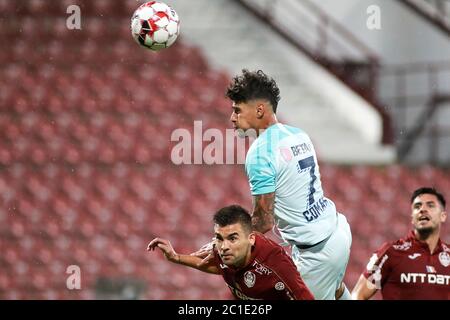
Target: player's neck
[(431, 240), (266, 123), (246, 261)]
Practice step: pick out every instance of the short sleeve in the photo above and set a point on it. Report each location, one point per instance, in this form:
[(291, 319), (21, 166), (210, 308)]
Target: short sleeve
[(261, 173), (378, 268)]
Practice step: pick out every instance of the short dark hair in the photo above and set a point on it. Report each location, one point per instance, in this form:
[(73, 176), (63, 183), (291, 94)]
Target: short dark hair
[(253, 85), (428, 190), (233, 214)]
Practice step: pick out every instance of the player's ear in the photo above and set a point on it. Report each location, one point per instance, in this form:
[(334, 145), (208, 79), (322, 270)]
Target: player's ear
[(260, 110), (251, 238), (443, 216)]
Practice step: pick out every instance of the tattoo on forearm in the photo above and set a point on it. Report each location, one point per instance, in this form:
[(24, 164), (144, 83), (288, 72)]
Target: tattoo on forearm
[(263, 212)]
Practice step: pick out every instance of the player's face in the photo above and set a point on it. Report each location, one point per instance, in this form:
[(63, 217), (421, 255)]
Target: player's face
[(234, 244), (244, 116), (427, 213)]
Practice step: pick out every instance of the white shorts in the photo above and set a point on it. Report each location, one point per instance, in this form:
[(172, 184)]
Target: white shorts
[(322, 267)]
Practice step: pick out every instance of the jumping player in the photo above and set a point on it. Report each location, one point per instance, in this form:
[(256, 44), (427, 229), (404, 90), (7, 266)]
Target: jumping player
[(284, 179)]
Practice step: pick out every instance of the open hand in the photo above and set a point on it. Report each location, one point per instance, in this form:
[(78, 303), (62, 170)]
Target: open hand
[(166, 247)]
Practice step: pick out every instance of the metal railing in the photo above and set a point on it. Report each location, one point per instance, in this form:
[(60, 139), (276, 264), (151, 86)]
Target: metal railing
[(435, 11), (311, 30), (414, 94), (389, 88), (319, 34)]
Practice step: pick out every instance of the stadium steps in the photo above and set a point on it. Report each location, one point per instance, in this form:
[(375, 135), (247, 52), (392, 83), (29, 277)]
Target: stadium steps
[(232, 39)]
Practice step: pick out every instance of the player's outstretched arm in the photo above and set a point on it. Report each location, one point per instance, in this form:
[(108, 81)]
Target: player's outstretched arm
[(363, 289), (188, 260), (263, 212)]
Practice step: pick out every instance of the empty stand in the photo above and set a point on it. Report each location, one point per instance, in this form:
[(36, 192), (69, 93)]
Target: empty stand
[(86, 177)]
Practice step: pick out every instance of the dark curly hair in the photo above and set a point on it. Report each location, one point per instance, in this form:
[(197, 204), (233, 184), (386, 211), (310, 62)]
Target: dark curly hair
[(253, 85), (428, 190), (231, 215)]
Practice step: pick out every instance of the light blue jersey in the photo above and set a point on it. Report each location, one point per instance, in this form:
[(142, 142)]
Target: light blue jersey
[(282, 160)]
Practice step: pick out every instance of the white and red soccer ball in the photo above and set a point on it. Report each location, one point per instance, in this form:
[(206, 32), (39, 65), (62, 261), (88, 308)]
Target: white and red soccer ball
[(155, 25)]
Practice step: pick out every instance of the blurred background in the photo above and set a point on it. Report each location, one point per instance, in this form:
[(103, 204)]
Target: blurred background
[(86, 118)]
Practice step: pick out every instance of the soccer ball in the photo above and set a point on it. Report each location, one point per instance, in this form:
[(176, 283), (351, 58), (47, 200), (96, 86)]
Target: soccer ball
[(155, 25)]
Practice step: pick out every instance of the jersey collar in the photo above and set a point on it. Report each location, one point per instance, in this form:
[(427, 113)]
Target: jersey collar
[(412, 237)]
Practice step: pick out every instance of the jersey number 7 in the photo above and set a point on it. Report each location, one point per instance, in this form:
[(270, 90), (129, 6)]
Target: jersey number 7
[(305, 164)]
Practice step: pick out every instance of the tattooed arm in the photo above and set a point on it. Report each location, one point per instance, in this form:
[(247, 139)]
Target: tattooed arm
[(263, 214)]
